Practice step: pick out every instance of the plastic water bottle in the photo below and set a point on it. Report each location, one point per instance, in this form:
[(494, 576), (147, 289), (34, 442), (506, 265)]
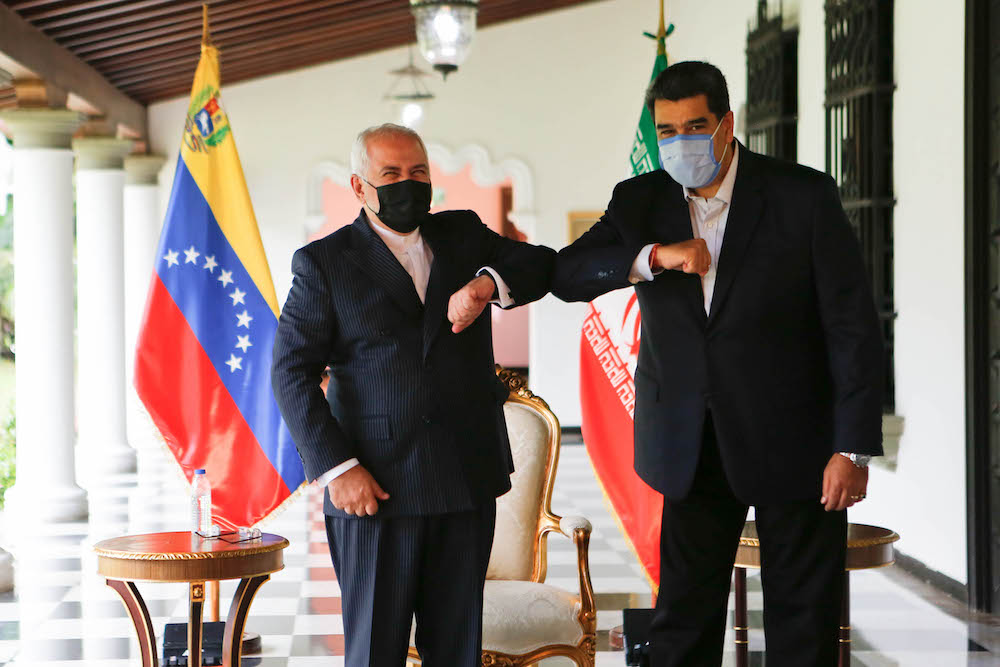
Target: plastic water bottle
[(201, 502)]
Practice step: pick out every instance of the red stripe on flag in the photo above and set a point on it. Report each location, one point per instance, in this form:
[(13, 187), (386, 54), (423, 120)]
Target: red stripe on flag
[(197, 416), (607, 397)]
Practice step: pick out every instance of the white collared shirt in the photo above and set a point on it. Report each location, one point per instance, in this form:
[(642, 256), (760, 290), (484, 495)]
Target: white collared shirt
[(708, 222), (416, 258)]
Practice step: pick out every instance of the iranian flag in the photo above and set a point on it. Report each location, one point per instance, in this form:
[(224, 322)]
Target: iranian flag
[(609, 348)]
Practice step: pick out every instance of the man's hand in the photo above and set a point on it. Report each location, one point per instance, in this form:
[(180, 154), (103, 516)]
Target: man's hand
[(356, 492), (687, 256), (843, 484), (466, 304)]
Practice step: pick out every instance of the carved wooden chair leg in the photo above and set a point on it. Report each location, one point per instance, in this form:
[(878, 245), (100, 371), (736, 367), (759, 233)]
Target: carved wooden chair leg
[(232, 643), (197, 597), (740, 624), (139, 614)]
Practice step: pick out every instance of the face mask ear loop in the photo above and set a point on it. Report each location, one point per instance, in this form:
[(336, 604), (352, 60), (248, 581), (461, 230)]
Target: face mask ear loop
[(719, 161), (374, 212)]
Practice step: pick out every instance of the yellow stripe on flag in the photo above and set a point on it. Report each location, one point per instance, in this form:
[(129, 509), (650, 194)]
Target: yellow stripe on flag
[(210, 154)]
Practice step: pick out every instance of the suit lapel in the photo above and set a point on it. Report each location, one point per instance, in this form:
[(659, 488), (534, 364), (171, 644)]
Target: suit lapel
[(375, 259), (439, 283), (744, 215), (670, 222)]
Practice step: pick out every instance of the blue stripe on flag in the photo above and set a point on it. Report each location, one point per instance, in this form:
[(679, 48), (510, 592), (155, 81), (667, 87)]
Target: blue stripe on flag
[(227, 313)]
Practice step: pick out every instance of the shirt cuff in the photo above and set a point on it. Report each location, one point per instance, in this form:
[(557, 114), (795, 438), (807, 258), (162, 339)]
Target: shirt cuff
[(503, 292), (641, 271), (336, 471)]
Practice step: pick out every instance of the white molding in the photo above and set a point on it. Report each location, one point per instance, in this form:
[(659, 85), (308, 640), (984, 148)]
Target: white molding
[(485, 173)]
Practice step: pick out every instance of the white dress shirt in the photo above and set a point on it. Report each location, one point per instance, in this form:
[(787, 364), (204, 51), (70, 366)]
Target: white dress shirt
[(416, 258), (708, 221)]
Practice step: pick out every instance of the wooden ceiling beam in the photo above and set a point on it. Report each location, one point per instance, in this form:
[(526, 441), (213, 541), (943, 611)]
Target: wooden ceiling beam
[(249, 10), (185, 53), (223, 37), (133, 12), (78, 10), (181, 85), (34, 50)]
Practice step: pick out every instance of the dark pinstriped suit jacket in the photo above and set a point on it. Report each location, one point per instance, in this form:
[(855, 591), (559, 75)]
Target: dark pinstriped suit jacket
[(419, 406)]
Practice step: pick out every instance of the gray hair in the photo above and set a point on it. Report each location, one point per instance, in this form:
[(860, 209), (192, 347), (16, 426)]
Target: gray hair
[(360, 161)]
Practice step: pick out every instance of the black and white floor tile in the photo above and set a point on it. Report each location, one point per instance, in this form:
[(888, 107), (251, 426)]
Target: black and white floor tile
[(61, 614)]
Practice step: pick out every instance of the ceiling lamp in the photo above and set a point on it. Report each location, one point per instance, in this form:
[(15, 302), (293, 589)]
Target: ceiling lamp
[(409, 93), (444, 31)]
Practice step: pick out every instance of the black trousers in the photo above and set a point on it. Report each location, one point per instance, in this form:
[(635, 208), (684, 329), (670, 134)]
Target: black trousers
[(391, 569), (803, 550)]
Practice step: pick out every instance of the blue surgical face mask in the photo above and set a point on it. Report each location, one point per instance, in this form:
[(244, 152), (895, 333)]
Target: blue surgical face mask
[(690, 158)]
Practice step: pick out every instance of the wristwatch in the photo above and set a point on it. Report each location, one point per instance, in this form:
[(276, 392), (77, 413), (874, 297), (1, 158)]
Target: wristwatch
[(860, 460)]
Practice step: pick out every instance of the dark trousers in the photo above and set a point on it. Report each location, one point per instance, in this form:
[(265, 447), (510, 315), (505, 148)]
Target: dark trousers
[(391, 569), (803, 550)]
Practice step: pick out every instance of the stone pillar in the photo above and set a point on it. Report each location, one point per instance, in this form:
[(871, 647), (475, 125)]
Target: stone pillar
[(46, 488), (142, 234), (100, 187)]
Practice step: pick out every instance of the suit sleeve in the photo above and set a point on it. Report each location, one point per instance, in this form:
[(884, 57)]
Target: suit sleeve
[(525, 268), (302, 344), (598, 262), (851, 328)]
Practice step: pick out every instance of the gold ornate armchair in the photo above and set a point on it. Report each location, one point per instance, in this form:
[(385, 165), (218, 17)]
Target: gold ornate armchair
[(524, 619)]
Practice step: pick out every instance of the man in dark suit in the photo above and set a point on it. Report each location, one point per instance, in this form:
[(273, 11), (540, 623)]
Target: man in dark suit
[(410, 440), (759, 371)]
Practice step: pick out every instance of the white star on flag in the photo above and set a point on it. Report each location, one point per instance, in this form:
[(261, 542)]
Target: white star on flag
[(237, 296), (191, 256), (234, 363), (244, 319), (210, 263), (225, 278), (171, 258), (243, 342)]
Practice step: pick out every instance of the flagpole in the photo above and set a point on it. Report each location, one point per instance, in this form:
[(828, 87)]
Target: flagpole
[(211, 587)]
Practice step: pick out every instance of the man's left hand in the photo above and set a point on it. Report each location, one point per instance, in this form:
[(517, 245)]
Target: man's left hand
[(467, 303), (843, 484)]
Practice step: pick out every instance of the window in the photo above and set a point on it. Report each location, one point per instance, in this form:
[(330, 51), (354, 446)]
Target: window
[(859, 90)]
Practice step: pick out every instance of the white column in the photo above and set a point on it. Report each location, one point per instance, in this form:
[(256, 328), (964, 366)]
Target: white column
[(142, 232), (100, 274), (46, 487)]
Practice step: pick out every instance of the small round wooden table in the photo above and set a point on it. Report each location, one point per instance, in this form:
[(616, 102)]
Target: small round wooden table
[(189, 558), (867, 547)]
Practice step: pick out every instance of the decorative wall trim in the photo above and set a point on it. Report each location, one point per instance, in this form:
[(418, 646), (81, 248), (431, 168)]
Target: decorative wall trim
[(485, 173)]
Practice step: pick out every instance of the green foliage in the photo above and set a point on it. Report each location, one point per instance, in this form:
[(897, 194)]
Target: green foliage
[(7, 451)]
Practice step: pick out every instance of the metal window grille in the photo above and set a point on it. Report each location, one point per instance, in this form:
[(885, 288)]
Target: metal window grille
[(859, 88), (772, 85)]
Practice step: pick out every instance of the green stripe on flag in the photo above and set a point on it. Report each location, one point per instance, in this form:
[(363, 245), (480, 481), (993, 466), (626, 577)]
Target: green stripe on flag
[(645, 155)]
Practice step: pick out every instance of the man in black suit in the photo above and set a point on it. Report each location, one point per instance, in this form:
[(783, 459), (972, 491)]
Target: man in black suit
[(410, 440), (759, 371)]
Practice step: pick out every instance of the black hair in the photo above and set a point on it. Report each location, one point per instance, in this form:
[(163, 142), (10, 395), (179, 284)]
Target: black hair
[(688, 79)]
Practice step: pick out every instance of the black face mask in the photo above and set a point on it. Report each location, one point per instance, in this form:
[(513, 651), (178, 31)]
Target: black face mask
[(403, 205)]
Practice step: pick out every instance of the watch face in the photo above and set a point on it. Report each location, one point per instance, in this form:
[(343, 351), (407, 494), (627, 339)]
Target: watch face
[(861, 460)]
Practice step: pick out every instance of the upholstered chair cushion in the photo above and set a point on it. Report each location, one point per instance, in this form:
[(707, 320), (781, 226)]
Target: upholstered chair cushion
[(522, 616), (517, 510)]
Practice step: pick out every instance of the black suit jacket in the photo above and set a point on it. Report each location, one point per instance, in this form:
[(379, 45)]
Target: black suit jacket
[(419, 406), (788, 361)]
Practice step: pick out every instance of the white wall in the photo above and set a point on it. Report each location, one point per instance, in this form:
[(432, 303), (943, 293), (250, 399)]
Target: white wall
[(562, 92), (925, 499)]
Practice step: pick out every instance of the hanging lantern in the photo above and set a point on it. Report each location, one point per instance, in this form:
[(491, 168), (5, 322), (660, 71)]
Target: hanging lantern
[(409, 93), (444, 31)]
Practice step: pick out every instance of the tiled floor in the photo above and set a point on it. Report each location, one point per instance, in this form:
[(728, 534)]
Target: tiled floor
[(61, 613)]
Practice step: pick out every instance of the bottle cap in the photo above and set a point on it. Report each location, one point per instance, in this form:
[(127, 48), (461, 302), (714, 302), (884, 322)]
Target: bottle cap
[(199, 471)]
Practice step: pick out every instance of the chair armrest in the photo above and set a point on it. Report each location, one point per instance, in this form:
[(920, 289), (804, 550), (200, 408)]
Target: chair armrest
[(578, 529), (568, 525)]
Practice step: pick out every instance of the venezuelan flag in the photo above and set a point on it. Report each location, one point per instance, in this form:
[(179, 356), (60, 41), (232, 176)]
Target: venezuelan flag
[(203, 357)]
